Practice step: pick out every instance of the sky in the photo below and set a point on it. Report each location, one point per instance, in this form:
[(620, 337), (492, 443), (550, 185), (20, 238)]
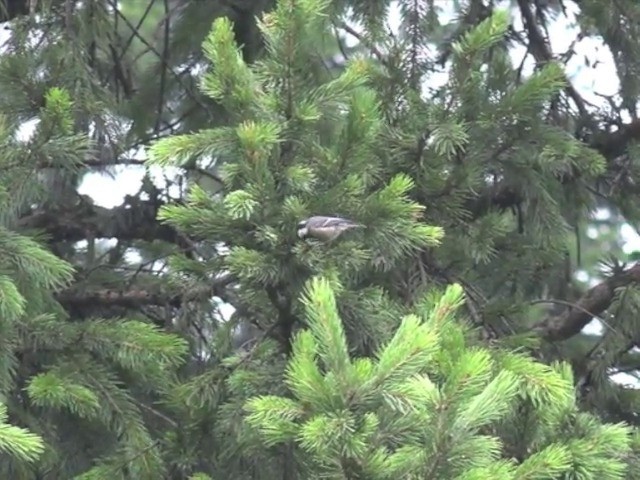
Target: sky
[(589, 80)]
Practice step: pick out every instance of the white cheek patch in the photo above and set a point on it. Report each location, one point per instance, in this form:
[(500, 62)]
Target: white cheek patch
[(302, 232)]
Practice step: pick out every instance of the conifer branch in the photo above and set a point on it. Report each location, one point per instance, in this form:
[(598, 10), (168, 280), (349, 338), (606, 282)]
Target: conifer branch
[(595, 301), (133, 298), (610, 144), (140, 297), (133, 220)]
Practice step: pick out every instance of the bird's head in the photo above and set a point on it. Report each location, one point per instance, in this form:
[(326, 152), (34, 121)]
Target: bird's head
[(303, 229)]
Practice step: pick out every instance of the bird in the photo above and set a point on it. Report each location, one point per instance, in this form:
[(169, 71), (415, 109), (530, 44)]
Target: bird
[(324, 228)]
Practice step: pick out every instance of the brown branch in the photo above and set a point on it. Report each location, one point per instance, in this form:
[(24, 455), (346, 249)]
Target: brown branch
[(127, 299), (283, 327), (539, 47), (91, 162), (371, 47), (499, 196), (595, 301), (135, 29), (72, 223), (164, 63), (614, 144), (100, 163), (140, 297)]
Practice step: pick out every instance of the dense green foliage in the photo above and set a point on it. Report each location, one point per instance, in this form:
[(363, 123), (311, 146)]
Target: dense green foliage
[(430, 406), (445, 340)]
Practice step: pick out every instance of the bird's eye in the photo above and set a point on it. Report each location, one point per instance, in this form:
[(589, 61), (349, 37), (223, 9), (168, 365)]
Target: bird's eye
[(302, 224)]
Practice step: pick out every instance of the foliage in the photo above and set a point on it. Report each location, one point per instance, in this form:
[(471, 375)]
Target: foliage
[(18, 442), (429, 405)]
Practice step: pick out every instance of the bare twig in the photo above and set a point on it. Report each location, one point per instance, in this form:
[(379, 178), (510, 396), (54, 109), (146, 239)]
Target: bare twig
[(164, 64), (135, 29), (155, 412), (151, 48), (340, 44), (372, 48)]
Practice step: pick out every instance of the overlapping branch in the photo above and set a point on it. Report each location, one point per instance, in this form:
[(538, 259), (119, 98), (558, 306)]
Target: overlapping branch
[(134, 298), (614, 144), (594, 301), (539, 47), (137, 297), (134, 220)]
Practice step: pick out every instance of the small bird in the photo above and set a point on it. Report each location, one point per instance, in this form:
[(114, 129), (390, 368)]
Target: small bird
[(325, 229)]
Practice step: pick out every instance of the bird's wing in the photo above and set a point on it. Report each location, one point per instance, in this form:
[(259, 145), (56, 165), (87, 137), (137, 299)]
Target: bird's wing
[(335, 222)]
